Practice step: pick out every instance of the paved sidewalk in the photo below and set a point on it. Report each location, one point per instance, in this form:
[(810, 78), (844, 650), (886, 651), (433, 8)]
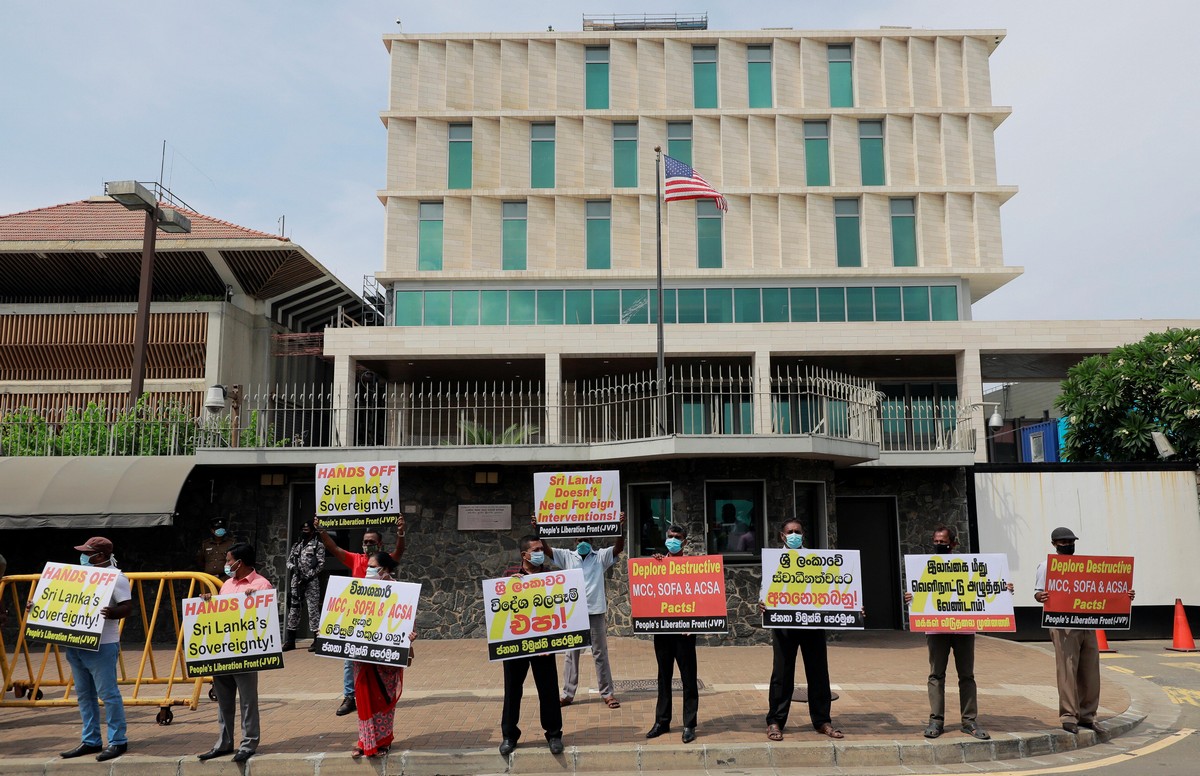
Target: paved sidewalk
[(449, 713)]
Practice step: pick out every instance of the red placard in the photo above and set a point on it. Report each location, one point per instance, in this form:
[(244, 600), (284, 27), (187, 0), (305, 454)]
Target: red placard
[(1088, 592), (678, 594)]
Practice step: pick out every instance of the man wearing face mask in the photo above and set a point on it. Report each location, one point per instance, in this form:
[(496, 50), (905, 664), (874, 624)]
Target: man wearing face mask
[(1076, 653), (372, 542), (304, 564), (672, 648), (594, 563), (212, 550), (95, 673)]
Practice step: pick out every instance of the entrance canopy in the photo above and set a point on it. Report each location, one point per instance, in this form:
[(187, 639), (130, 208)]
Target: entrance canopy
[(91, 491)]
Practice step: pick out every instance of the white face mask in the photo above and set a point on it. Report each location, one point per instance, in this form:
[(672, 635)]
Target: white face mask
[(372, 572)]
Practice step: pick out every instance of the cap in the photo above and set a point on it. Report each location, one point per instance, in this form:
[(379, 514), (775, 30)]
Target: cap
[(217, 521), (96, 544), (1058, 534)]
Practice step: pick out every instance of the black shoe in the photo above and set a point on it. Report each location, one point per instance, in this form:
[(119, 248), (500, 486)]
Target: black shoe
[(214, 752), (689, 735), (1089, 726), (313, 646), (81, 750), (658, 729), (288, 646), (973, 729), (347, 707), (242, 755), (934, 729), (1070, 727), (507, 746), (556, 745), (112, 752)]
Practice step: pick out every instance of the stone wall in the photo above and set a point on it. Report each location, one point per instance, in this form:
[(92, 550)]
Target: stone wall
[(925, 498)]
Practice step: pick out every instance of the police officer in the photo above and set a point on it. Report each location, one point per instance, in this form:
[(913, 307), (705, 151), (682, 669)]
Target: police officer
[(211, 558)]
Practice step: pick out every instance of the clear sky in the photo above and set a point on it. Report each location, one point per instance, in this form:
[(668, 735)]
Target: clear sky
[(271, 108)]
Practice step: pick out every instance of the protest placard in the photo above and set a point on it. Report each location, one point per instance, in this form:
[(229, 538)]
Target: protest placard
[(536, 614), (231, 634), (66, 604), (678, 594), (959, 593), (578, 505), (811, 589), (355, 495), (1088, 592), (368, 620)]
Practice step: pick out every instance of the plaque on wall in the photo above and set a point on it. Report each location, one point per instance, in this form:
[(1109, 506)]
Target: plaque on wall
[(485, 517)]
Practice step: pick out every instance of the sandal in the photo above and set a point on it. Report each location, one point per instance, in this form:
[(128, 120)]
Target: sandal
[(356, 753), (774, 732), (612, 702), (829, 730), (935, 728), (380, 752)]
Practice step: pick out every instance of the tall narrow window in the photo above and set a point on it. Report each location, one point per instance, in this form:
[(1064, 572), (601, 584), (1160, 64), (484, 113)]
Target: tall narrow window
[(541, 156), (595, 59), (870, 152), (459, 176), (679, 141), (429, 236), (904, 233), (758, 66), (599, 234), (515, 226), (708, 234), (816, 152), (841, 76), (704, 77), (625, 147), (849, 240)]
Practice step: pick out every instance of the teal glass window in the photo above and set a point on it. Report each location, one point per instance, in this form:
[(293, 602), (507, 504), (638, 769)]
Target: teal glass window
[(408, 306), (747, 305), (704, 78), (691, 305), (464, 308), (849, 238), (459, 167), (599, 234), (870, 152), (775, 305), (718, 305), (832, 304), (916, 303), (758, 67), (804, 305), (493, 308), (608, 305), (816, 153), (679, 141), (550, 307), (887, 304), (625, 155), (541, 156), (515, 226), (860, 304), (579, 306), (635, 306), (904, 232), (429, 236), (841, 76), (944, 303), (522, 308), (437, 308), (670, 306), (708, 234), (595, 59)]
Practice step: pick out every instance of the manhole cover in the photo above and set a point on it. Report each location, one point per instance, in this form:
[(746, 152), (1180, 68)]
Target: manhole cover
[(801, 694), (648, 685)]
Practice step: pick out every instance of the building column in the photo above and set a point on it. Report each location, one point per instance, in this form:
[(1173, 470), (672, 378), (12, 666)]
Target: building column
[(970, 393), (552, 398), (762, 391), (344, 381)]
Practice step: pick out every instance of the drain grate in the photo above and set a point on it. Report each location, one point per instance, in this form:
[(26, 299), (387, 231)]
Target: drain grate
[(647, 685)]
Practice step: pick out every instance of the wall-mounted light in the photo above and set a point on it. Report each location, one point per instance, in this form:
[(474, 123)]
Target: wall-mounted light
[(996, 420), (1164, 446)]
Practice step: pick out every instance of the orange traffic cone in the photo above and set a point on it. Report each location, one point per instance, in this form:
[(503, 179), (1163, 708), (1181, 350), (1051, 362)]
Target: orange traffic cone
[(1181, 640), (1102, 642)]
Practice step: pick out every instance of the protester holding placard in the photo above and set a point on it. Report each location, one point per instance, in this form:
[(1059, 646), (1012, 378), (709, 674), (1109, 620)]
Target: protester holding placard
[(671, 649), (377, 687), (372, 542), (940, 645), (95, 673), (811, 643), (239, 567), (593, 563), (304, 564), (1076, 653), (544, 667)]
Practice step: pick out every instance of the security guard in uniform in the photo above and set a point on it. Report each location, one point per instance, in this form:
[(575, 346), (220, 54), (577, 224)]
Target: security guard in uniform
[(211, 558)]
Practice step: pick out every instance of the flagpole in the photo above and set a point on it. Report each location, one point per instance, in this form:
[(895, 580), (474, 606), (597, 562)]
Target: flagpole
[(662, 371)]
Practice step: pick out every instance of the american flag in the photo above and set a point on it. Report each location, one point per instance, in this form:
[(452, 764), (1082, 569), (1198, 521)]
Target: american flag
[(685, 183)]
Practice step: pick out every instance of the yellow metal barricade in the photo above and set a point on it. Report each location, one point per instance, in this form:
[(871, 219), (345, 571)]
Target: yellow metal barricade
[(35, 672)]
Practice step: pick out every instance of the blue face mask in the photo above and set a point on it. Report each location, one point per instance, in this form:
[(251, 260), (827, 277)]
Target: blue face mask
[(537, 558), (584, 549), (228, 570), (372, 572), (219, 533), (794, 541), (85, 559), (674, 545)]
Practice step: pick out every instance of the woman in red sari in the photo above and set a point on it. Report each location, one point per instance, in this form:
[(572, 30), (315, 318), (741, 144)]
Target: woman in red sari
[(377, 687)]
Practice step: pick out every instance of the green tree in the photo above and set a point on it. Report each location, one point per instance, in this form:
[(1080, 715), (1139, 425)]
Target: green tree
[(84, 432), (1113, 402), (25, 432)]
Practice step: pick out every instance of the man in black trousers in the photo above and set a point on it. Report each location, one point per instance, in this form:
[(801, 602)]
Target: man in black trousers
[(672, 648)]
